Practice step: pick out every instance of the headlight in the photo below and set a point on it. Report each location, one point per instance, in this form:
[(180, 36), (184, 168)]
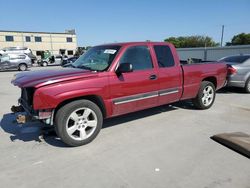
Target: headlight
[(13, 78)]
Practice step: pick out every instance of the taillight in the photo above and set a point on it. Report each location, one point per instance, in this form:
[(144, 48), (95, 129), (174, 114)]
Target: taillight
[(231, 70)]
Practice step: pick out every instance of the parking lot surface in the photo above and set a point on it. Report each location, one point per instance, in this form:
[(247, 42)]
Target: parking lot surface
[(167, 146)]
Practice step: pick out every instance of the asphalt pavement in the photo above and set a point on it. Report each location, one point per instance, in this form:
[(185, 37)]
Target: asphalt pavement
[(167, 146)]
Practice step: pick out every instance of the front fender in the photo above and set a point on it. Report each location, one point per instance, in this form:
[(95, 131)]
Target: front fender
[(44, 100), (48, 97)]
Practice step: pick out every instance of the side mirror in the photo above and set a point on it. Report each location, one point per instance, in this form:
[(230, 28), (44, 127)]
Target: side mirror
[(125, 67)]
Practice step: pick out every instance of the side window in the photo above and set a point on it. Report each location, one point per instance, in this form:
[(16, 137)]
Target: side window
[(138, 56), (164, 56), (21, 57)]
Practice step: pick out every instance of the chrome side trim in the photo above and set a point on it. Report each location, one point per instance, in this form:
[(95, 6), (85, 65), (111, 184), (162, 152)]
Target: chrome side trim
[(135, 98), (234, 81), (145, 96), (168, 92)]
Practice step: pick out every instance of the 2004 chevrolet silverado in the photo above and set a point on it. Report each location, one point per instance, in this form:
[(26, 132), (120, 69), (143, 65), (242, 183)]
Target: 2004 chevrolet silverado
[(114, 79)]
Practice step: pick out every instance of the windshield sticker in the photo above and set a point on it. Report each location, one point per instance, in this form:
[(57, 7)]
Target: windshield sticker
[(109, 51)]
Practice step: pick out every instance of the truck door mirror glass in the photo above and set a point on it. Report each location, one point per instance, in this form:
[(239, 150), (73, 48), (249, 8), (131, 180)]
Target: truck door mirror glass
[(125, 67)]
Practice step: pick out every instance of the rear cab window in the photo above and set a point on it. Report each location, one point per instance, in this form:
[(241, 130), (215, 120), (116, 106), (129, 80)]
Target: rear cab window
[(164, 56)]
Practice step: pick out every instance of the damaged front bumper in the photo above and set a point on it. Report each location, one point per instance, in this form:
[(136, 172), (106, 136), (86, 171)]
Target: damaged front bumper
[(25, 113)]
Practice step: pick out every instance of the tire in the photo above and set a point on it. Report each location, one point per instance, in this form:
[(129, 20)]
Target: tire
[(247, 86), (22, 67), (79, 122), (44, 64), (206, 96)]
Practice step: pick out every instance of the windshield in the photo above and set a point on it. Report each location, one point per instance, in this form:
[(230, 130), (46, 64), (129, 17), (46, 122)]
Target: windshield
[(235, 59), (98, 58)]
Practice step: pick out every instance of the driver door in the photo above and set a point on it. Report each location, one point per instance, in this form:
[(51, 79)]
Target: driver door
[(135, 90)]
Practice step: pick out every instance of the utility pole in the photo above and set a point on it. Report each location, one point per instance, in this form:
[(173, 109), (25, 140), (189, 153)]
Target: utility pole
[(222, 34)]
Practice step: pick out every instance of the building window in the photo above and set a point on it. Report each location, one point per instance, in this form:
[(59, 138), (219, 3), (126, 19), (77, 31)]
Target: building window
[(27, 39), (9, 38), (38, 39), (69, 39), (70, 52)]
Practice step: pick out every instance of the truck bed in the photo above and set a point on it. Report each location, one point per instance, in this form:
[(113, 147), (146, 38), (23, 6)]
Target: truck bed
[(193, 74)]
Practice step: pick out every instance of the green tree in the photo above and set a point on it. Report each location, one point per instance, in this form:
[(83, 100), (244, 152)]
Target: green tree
[(191, 41), (240, 39), (79, 51)]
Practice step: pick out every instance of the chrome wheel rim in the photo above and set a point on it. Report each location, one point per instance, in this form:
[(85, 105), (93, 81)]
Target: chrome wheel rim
[(81, 124), (207, 96), (22, 67)]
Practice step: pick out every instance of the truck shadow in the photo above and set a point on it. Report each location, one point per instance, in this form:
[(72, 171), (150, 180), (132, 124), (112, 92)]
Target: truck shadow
[(14, 70), (32, 131), (230, 90), (27, 132)]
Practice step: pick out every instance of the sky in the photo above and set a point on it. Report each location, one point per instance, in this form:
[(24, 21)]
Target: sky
[(105, 21)]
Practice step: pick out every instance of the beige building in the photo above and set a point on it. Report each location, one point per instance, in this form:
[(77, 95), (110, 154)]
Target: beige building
[(38, 42)]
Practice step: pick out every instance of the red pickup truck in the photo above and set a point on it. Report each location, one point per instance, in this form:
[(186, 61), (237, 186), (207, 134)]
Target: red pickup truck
[(110, 80)]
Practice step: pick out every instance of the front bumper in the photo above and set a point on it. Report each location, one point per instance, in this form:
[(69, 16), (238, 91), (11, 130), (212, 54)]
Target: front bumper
[(28, 114)]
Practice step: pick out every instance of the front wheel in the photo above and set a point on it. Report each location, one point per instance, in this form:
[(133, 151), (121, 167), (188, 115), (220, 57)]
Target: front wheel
[(79, 122), (247, 86), (44, 64), (22, 67), (206, 96)]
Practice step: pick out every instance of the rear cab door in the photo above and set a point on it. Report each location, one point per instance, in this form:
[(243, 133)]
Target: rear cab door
[(135, 90), (169, 72)]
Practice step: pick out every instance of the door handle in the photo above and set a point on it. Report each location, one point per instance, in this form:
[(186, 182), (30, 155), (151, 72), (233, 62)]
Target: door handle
[(153, 77)]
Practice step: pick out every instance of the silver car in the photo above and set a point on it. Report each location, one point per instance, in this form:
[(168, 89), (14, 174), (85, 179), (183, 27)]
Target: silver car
[(238, 71), (15, 61), (18, 50)]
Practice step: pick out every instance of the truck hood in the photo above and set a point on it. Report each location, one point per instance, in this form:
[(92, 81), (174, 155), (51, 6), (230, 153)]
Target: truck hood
[(45, 77)]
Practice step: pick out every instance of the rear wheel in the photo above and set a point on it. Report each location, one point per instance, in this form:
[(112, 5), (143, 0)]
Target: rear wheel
[(22, 67), (247, 86), (79, 122), (206, 96), (44, 64)]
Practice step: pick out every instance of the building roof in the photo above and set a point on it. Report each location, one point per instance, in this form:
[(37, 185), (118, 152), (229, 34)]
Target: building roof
[(72, 32)]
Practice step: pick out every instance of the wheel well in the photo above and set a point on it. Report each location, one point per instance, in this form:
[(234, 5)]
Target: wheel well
[(93, 98), (212, 80), (22, 64)]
